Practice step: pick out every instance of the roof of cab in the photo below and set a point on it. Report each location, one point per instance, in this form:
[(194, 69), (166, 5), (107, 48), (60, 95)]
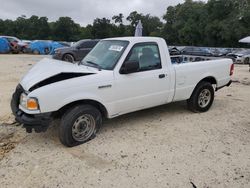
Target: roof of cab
[(137, 39)]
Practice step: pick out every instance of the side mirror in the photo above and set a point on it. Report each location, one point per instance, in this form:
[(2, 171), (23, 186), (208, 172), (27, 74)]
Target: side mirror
[(130, 67)]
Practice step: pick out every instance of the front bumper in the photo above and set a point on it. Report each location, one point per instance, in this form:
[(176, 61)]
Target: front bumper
[(57, 56), (38, 122)]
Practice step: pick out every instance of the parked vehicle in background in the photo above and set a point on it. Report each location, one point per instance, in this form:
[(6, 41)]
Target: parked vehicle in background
[(197, 51), (119, 76), (39, 47), (231, 56), (27, 41), (174, 51), (4, 46), (216, 52), (43, 47), (226, 51), (16, 44), (242, 57), (76, 52)]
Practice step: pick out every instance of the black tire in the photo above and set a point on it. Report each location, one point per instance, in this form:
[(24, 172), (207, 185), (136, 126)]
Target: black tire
[(69, 58), (15, 99), (247, 60), (73, 120), (46, 51), (202, 97)]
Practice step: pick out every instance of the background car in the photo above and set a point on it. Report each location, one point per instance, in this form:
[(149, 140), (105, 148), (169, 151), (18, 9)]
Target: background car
[(243, 57), (174, 51), (216, 52), (43, 47), (16, 44), (4, 46), (198, 51), (76, 52), (231, 56), (240, 57)]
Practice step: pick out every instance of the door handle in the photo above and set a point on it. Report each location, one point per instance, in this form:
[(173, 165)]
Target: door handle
[(162, 76)]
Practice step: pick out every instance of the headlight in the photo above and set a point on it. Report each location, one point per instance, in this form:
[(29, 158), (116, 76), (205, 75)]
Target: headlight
[(57, 51), (28, 103)]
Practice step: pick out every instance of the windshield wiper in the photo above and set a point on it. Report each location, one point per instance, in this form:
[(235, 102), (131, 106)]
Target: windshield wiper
[(93, 65)]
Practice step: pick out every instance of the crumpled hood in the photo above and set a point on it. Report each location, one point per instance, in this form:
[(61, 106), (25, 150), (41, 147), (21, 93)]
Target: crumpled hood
[(48, 68)]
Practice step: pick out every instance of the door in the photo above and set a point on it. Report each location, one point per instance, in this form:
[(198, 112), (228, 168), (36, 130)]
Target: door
[(147, 87)]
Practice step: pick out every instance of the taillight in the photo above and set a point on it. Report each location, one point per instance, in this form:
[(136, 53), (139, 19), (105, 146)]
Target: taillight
[(232, 70)]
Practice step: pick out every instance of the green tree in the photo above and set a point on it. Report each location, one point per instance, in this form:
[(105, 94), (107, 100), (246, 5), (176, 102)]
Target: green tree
[(118, 18), (102, 28), (212, 23), (66, 29), (151, 24)]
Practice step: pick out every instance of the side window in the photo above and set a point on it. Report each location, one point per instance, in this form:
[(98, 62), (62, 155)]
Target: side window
[(88, 44), (191, 49), (147, 55)]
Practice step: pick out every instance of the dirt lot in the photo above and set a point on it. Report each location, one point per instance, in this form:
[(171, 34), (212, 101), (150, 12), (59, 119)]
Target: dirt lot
[(167, 146)]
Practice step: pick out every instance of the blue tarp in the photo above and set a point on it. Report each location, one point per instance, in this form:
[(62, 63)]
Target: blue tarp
[(44, 47), (55, 45), (4, 46)]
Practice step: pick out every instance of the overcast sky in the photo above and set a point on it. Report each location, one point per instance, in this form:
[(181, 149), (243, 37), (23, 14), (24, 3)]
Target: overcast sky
[(82, 11)]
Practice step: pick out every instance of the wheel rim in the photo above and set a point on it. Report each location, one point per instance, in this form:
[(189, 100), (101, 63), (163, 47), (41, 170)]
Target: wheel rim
[(69, 58), (83, 128), (204, 98)]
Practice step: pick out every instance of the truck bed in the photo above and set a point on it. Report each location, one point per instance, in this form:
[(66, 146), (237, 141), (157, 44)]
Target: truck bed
[(189, 69), (179, 59)]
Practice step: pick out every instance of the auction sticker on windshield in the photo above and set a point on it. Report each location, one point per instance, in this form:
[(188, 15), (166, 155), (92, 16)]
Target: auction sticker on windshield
[(116, 48)]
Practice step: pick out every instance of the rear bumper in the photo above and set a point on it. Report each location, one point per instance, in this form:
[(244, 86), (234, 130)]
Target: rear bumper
[(38, 122), (227, 85)]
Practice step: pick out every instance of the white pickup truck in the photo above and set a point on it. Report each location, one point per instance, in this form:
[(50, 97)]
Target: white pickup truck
[(119, 76)]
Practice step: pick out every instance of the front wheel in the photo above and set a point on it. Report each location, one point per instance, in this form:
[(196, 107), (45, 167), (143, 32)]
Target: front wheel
[(79, 125), (202, 98), (69, 58)]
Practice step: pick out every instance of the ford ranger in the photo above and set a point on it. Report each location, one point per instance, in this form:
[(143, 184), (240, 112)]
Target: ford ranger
[(119, 76)]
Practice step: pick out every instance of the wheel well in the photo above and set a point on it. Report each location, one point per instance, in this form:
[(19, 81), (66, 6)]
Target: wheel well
[(94, 103), (210, 80)]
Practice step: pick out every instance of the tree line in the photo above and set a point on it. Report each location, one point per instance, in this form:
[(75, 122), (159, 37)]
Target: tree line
[(213, 23)]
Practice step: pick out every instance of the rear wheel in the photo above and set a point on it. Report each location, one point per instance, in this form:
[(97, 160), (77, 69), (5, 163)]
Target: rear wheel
[(79, 125), (46, 51), (202, 98), (68, 58)]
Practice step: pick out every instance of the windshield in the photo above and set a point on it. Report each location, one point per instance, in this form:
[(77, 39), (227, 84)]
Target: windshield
[(105, 54)]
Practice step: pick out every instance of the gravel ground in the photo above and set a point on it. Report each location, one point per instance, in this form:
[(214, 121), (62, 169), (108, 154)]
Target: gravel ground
[(167, 146)]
